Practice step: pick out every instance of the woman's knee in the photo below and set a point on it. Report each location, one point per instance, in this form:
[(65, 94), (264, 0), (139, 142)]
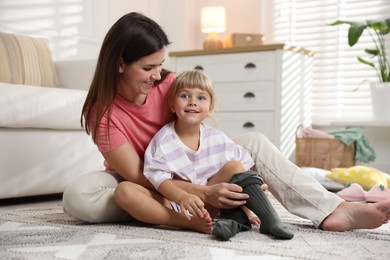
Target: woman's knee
[(250, 137), (73, 200), (90, 197), (252, 141)]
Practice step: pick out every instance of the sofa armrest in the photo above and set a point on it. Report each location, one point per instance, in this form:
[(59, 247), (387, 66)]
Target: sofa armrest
[(24, 106), (75, 74)]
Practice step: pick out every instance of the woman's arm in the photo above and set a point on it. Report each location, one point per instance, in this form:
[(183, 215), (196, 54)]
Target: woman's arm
[(126, 162), (222, 195)]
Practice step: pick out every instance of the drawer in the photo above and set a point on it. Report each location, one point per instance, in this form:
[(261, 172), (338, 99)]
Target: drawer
[(249, 66), (235, 123), (248, 96)]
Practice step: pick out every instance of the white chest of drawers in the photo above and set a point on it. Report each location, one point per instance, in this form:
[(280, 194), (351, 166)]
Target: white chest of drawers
[(264, 88)]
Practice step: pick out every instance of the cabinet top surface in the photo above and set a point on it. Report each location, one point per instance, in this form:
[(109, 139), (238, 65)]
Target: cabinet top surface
[(265, 47)]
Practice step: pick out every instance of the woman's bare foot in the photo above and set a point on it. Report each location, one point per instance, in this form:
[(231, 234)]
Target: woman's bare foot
[(202, 225), (352, 215)]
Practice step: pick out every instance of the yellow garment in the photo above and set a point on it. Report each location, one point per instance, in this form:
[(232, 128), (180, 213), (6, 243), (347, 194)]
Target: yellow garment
[(365, 176)]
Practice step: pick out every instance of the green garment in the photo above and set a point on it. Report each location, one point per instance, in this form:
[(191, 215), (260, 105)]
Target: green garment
[(364, 151)]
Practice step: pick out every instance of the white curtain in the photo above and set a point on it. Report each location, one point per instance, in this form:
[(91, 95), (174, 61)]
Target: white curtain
[(337, 73)]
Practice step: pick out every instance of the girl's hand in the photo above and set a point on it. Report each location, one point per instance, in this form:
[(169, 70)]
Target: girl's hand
[(192, 204)]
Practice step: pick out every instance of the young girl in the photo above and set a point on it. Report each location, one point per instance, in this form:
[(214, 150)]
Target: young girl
[(187, 149)]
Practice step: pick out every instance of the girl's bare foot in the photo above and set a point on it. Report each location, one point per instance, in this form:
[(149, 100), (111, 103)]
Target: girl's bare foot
[(202, 225), (353, 215), (255, 220)]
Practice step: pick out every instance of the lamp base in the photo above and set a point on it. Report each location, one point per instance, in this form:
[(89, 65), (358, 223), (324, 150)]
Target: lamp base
[(212, 42)]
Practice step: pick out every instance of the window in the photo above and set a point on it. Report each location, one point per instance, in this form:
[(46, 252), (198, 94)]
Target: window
[(337, 73)]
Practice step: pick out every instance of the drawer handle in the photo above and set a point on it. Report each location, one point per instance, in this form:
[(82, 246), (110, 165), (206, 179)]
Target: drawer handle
[(248, 125), (249, 95), (250, 65), (198, 67)]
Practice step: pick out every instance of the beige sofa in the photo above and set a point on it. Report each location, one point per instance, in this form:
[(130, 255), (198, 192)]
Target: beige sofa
[(43, 147)]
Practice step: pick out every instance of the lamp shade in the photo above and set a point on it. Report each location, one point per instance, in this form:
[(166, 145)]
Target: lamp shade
[(213, 19)]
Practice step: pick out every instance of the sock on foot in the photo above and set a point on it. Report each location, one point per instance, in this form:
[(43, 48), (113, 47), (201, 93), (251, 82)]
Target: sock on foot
[(237, 214), (225, 229), (261, 206), (231, 222)]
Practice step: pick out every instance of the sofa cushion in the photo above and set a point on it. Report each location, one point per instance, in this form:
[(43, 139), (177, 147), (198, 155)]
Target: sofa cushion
[(26, 60)]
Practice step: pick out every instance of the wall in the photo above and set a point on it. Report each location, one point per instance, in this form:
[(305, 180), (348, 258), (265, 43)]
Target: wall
[(76, 29)]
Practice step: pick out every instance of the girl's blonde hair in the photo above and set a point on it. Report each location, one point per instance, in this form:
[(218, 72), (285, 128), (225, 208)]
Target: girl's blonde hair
[(193, 79)]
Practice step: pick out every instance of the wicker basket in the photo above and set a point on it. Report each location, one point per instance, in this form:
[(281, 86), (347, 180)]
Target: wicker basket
[(324, 153)]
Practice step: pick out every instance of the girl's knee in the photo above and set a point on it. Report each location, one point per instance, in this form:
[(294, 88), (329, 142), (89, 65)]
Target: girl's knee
[(234, 166), (126, 192), (121, 191)]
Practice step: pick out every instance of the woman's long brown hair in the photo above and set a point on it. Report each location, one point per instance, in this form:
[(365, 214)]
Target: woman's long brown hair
[(132, 37)]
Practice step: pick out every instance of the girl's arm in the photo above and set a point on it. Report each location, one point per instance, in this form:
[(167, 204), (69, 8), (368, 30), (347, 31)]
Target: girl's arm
[(188, 202)]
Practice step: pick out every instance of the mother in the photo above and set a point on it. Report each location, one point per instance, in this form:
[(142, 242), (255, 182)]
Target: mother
[(125, 107)]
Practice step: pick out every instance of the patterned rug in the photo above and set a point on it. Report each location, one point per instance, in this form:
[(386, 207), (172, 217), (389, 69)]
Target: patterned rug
[(48, 233)]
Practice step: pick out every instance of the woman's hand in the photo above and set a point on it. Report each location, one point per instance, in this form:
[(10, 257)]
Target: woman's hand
[(193, 204), (225, 195)]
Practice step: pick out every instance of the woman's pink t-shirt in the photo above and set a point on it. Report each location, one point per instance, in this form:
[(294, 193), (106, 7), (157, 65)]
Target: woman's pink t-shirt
[(133, 123)]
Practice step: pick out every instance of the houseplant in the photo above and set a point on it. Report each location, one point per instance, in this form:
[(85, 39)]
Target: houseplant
[(378, 30)]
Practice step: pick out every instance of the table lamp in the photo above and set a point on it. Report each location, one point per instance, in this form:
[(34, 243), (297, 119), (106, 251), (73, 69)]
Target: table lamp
[(213, 21)]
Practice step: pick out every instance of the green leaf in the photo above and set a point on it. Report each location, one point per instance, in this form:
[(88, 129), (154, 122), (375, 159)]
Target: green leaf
[(387, 78), (338, 22), (385, 74), (379, 26), (354, 33), (386, 31), (366, 62), (387, 21), (374, 52)]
